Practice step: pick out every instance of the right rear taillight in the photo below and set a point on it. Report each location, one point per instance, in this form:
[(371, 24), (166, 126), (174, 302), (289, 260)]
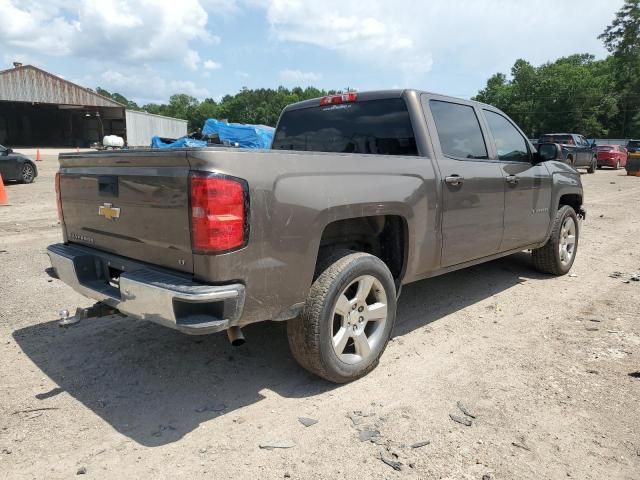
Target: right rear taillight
[(58, 199), (218, 213)]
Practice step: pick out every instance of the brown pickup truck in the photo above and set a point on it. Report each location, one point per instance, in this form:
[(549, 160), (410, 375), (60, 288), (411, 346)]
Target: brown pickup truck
[(360, 194)]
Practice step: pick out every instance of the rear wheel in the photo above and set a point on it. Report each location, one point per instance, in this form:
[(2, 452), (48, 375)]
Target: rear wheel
[(347, 319), (558, 254), (594, 166), (28, 173)]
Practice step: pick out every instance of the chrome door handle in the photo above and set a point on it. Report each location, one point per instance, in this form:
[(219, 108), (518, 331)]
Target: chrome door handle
[(513, 179), (454, 180)]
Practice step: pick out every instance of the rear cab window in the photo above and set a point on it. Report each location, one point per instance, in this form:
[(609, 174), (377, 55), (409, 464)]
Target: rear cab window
[(378, 127), (561, 139), (458, 130)]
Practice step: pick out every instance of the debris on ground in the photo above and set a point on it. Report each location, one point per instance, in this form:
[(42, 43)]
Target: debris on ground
[(461, 420), (465, 410), (521, 443), (81, 471), (392, 462), (307, 422), (30, 410), (366, 435), (277, 444), (216, 407), (424, 443), (616, 274)]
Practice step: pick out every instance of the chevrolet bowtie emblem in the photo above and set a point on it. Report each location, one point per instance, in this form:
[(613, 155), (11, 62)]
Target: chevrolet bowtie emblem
[(107, 211)]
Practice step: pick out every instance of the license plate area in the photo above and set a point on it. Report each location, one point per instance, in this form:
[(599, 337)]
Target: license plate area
[(97, 274)]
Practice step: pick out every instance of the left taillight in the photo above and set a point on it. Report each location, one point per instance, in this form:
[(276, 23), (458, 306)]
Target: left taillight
[(218, 213), (58, 199)]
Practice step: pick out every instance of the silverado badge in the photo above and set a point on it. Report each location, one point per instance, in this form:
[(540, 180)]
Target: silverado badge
[(108, 211)]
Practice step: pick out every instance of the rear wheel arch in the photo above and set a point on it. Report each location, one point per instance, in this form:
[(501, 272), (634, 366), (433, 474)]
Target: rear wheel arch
[(384, 236)]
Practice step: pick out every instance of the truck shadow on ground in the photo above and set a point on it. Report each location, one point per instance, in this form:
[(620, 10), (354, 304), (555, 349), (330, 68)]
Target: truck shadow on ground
[(156, 385)]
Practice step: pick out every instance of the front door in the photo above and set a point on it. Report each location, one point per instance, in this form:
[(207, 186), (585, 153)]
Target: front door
[(528, 187), (472, 189)]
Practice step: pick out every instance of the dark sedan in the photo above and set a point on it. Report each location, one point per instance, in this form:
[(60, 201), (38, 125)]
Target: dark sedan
[(15, 166)]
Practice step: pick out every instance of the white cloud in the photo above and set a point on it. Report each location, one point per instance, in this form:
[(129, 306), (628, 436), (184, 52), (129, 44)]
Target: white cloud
[(211, 65), (145, 86), (130, 31), (412, 37), (299, 76)]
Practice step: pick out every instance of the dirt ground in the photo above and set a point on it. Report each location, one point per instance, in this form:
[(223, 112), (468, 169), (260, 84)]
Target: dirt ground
[(548, 366)]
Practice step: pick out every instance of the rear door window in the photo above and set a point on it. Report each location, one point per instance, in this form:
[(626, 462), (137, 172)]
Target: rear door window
[(381, 127), (510, 144), (458, 130)]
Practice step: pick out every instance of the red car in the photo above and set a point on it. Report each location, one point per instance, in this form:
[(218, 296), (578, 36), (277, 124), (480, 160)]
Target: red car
[(611, 156)]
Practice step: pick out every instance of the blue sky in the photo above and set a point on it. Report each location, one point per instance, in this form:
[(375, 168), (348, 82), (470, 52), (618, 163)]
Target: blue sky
[(149, 49)]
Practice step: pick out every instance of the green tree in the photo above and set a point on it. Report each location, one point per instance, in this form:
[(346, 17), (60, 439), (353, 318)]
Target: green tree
[(131, 105), (570, 94), (622, 39)]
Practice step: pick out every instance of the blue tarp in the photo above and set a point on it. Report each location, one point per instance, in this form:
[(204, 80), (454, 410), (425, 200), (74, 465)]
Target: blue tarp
[(247, 136), (183, 142)]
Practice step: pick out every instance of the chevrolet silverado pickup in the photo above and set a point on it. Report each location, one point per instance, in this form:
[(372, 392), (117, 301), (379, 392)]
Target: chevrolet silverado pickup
[(576, 150), (360, 194)]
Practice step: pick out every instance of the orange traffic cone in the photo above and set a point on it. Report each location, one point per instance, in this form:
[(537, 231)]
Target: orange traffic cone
[(38, 158), (4, 199)]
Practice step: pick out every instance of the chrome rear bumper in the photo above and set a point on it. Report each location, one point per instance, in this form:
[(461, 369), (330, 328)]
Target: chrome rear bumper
[(148, 293)]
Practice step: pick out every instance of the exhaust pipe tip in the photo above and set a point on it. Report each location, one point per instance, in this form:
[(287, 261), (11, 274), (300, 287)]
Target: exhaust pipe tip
[(236, 338)]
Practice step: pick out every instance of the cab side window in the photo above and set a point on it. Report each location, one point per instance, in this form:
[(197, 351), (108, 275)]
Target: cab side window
[(510, 144), (458, 130)]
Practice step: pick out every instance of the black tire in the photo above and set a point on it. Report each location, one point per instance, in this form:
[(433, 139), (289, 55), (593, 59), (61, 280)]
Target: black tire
[(28, 173), (546, 259), (570, 161), (594, 166), (311, 334)]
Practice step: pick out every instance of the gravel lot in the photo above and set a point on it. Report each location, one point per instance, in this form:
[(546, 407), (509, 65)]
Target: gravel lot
[(548, 366)]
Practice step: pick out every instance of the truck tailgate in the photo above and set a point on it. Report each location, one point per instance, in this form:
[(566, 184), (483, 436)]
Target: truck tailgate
[(133, 204)]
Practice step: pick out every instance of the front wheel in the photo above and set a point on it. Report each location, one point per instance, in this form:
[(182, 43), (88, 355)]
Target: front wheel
[(594, 166), (558, 254), (347, 320), (28, 173)]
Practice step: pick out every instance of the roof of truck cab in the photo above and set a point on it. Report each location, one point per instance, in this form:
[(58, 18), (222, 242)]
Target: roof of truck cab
[(376, 95)]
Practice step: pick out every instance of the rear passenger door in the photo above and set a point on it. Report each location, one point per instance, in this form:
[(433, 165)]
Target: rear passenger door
[(472, 185), (584, 154), (527, 186)]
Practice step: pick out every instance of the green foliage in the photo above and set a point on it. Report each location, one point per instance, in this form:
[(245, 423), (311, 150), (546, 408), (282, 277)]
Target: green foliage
[(131, 105), (261, 106)]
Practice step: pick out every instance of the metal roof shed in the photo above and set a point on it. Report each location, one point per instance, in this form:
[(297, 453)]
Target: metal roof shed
[(39, 109)]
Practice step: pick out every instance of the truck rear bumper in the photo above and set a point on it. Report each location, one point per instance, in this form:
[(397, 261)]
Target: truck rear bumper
[(148, 293)]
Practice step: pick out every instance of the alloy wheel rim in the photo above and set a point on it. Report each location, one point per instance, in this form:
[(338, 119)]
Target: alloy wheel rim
[(27, 173), (567, 244), (358, 320)]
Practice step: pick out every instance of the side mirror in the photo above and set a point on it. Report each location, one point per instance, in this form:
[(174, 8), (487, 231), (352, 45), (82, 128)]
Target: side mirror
[(9, 150), (549, 151)]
